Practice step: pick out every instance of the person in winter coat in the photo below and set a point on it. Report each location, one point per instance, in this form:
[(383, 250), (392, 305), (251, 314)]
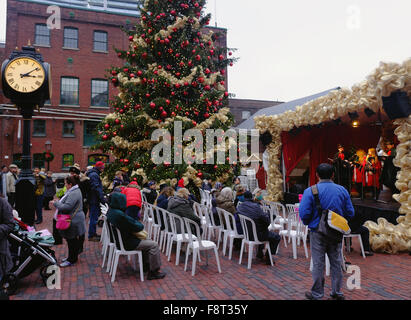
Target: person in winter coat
[(118, 179), (214, 194), (150, 192), (128, 228), (72, 204), (163, 197), (39, 177), (49, 190), (183, 207), (11, 178), (96, 196), (253, 210), (225, 200), (6, 226), (133, 195), (239, 195)]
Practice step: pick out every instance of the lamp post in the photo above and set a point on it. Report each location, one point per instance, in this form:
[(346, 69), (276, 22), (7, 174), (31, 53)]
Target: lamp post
[(48, 149)]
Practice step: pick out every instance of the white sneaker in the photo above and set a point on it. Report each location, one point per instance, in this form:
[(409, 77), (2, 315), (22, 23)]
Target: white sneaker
[(66, 264)]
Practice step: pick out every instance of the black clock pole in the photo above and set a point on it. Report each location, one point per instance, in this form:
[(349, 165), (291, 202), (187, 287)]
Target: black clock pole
[(25, 185)]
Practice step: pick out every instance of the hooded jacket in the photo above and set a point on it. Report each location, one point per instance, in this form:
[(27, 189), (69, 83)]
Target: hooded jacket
[(133, 194), (127, 225), (183, 208)]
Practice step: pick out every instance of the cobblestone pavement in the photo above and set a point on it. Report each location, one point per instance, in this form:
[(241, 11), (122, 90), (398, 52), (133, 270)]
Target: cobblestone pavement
[(383, 277)]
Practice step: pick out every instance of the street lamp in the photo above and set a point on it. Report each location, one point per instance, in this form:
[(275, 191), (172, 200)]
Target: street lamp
[(48, 149)]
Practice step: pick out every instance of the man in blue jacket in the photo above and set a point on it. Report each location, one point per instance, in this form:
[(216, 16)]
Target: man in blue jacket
[(96, 196), (332, 197), (253, 210)]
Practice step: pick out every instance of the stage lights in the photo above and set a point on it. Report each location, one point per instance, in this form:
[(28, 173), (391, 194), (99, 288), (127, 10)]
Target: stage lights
[(356, 124)]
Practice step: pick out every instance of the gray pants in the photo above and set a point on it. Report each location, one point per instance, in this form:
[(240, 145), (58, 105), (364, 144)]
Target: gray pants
[(150, 248), (319, 247)]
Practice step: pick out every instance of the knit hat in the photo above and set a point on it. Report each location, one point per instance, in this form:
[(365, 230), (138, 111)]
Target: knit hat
[(99, 164), (75, 168)]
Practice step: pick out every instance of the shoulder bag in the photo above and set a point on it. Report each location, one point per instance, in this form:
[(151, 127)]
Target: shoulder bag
[(64, 220), (332, 225)]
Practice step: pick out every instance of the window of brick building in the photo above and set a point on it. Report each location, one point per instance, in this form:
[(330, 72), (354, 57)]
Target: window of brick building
[(100, 41), (39, 128), (99, 93), (38, 160), (69, 91), (68, 160), (70, 38), (90, 130), (68, 128), (41, 35), (93, 158)]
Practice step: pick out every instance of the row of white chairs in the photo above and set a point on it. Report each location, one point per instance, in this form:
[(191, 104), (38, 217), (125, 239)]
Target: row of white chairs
[(167, 228)]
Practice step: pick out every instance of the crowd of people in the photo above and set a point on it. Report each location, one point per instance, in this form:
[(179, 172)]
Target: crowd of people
[(83, 193)]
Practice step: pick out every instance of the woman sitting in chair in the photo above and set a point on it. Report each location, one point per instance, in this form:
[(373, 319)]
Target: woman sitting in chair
[(128, 228)]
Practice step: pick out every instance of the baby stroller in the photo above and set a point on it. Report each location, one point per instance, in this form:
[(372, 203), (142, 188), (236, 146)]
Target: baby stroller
[(30, 251)]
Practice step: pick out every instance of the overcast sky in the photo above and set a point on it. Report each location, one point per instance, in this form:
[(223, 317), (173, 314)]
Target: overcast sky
[(294, 48)]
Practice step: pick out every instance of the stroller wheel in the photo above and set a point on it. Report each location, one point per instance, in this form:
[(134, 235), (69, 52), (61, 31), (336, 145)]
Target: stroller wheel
[(10, 284)]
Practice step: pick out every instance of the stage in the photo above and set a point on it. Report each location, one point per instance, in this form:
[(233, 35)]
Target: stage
[(365, 210), (371, 210)]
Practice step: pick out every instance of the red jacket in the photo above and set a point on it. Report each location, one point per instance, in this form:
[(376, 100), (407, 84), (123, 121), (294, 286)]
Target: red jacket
[(133, 194)]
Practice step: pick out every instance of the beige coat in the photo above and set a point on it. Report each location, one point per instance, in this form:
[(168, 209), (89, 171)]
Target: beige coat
[(11, 180)]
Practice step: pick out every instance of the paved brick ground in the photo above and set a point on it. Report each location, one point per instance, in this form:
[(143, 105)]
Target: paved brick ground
[(383, 277)]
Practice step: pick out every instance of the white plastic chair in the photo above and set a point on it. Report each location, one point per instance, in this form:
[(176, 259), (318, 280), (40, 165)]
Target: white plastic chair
[(231, 234), (224, 230), (277, 209), (350, 236), (196, 244), (108, 245), (176, 237), (167, 232), (298, 234), (119, 251), (147, 218), (245, 221), (212, 227), (158, 234)]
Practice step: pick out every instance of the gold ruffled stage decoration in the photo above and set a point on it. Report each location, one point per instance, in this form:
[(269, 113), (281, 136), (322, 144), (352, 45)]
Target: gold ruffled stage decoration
[(387, 78)]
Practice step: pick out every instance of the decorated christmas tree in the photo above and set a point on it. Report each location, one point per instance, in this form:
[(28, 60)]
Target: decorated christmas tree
[(173, 75)]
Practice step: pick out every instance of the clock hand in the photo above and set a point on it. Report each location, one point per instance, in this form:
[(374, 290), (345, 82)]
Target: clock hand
[(27, 74)]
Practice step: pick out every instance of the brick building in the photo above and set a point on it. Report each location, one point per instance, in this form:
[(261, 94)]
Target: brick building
[(79, 52)]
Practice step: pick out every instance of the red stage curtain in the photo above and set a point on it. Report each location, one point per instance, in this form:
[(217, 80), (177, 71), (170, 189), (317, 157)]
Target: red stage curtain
[(322, 144)]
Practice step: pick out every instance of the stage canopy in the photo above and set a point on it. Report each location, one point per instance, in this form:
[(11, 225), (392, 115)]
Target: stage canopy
[(324, 120)]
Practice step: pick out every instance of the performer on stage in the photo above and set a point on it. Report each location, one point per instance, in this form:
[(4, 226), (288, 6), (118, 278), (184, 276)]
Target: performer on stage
[(372, 172), (342, 168), (389, 171), (357, 178)]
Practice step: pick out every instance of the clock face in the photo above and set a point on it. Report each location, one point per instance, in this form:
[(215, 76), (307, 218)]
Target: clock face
[(24, 74)]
